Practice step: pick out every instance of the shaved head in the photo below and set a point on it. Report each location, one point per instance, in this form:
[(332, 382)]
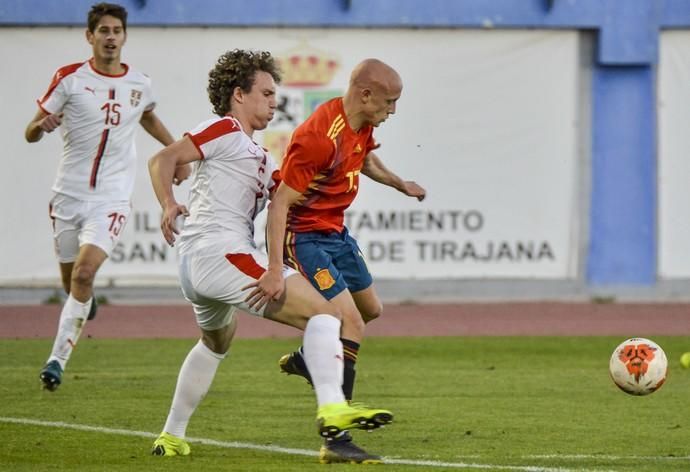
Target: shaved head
[(375, 75), (374, 89)]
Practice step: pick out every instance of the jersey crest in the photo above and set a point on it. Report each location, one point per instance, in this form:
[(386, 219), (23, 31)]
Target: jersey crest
[(324, 279), (135, 97)]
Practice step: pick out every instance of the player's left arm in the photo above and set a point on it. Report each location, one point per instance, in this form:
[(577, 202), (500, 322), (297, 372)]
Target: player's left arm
[(155, 127), (374, 169), (270, 285)]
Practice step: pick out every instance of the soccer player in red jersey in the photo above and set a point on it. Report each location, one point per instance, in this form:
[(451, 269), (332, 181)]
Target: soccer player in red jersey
[(320, 179)]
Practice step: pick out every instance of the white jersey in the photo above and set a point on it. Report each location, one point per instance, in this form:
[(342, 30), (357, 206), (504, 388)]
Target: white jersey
[(230, 186), (101, 117)]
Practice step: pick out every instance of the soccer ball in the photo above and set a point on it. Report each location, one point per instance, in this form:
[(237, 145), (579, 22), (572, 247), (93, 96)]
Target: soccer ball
[(638, 366)]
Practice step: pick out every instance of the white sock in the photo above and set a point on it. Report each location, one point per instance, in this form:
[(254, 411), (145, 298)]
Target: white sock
[(323, 354), (193, 382), (72, 320)]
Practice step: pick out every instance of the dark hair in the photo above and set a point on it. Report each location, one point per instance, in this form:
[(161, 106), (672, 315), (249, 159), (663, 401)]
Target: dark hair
[(237, 68), (100, 10)]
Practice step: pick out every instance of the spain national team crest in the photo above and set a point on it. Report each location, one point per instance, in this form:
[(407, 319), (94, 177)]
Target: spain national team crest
[(324, 279), (135, 98)]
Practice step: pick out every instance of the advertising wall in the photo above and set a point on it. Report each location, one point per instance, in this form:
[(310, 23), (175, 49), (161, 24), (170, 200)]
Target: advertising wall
[(674, 161), (488, 122)]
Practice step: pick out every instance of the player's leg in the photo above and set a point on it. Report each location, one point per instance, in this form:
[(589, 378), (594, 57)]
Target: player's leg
[(193, 382), (349, 261), (65, 236), (367, 307), (66, 276), (102, 227), (333, 260), (85, 233), (313, 255), (73, 315), (300, 306), (218, 323), (351, 336), (368, 303), (66, 241), (361, 303), (51, 374), (69, 218), (66, 272), (84, 272), (320, 338), (303, 307)]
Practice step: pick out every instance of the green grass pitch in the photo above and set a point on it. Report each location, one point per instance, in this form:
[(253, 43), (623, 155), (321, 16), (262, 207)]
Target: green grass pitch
[(478, 403)]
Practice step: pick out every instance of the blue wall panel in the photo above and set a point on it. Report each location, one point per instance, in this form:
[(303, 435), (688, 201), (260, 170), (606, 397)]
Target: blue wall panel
[(418, 13), (624, 196)]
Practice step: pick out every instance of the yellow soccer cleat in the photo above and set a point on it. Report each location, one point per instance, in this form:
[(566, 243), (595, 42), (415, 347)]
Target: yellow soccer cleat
[(334, 418), (169, 445)]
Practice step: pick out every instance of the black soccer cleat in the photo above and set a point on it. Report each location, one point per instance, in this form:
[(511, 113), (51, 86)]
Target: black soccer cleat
[(293, 364), (343, 450), (51, 376)]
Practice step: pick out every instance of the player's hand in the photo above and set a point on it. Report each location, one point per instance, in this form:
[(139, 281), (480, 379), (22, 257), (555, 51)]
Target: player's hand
[(413, 189), (270, 286), (169, 221), (51, 122), (182, 173)]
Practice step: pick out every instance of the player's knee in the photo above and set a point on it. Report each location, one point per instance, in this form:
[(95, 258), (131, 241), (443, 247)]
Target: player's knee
[(329, 308), (218, 342), (353, 323), (84, 274), (370, 315)]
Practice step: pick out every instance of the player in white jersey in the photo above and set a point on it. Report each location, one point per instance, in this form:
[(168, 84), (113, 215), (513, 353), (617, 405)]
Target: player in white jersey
[(219, 263), (98, 105)]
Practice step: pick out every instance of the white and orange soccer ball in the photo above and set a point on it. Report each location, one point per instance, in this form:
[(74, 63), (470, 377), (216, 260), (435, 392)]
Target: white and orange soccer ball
[(638, 366)]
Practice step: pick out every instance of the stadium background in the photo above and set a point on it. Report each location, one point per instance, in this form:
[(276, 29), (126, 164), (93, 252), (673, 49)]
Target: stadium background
[(550, 135), (556, 123)]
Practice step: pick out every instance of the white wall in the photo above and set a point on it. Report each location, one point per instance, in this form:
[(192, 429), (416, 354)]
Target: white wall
[(674, 155), (487, 122)]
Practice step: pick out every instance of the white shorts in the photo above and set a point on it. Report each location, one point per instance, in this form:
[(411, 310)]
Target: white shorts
[(77, 222), (212, 279)]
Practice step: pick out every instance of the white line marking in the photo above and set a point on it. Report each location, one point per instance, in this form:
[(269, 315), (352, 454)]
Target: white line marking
[(607, 457), (287, 450)]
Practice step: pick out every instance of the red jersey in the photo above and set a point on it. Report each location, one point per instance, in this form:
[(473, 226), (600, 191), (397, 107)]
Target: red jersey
[(323, 161)]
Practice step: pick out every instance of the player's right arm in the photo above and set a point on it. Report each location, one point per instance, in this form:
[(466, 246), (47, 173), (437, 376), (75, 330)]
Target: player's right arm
[(162, 169), (42, 122), (49, 114)]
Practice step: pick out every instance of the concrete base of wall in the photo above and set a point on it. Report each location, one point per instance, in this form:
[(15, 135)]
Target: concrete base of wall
[(399, 291)]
